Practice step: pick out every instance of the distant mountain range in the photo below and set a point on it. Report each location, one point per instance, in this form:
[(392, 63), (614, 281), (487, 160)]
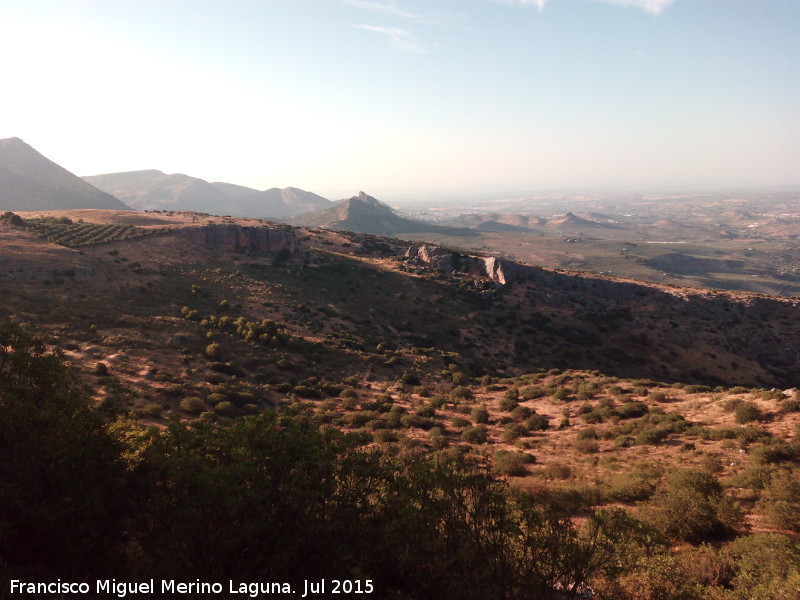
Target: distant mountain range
[(365, 214), (155, 190), (29, 181)]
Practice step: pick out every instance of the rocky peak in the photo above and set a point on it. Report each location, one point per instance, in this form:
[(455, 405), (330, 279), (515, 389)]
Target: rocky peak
[(371, 202)]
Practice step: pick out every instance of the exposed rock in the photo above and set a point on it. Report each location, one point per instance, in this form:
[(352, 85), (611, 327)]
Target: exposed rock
[(497, 269), (431, 256), (229, 237)]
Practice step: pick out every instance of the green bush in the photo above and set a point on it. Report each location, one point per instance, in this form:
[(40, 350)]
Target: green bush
[(780, 501), (480, 415), (557, 470), (691, 506), (437, 438), (628, 488), (461, 393), (213, 350), (477, 434), (193, 405), (586, 446), (537, 423), (747, 412), (512, 431), (225, 408), (152, 409), (383, 436), (511, 464)]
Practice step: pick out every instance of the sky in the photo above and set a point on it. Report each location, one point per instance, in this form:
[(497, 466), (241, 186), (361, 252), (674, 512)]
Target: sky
[(410, 99)]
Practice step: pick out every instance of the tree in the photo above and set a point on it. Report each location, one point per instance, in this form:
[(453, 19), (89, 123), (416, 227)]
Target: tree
[(691, 506), (61, 472)]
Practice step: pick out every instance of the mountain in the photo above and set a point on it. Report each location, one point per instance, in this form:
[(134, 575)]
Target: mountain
[(573, 223), (30, 181), (498, 222), (234, 191), (365, 214), (154, 190), (279, 203)]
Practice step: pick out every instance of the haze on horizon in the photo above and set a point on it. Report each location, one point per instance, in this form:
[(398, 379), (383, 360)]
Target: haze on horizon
[(410, 98)]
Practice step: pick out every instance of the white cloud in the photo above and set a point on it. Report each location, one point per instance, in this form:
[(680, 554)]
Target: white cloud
[(652, 6), (402, 39), (389, 9), (423, 16), (538, 3)]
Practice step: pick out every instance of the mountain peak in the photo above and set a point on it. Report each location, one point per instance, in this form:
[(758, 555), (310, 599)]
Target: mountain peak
[(371, 202), (30, 181)]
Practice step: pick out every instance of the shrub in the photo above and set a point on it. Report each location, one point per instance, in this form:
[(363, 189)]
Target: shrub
[(537, 423), (521, 413), (747, 412), (557, 470), (225, 408), (631, 410), (691, 506), (628, 488), (213, 350), (531, 392), (152, 409), (511, 464), (100, 369), (790, 405), (193, 405), (461, 393), (731, 404), (651, 435), (409, 420), (460, 422), (657, 397), (780, 501), (437, 438), (480, 415), (512, 431), (508, 403), (624, 441), (586, 446), (383, 436), (477, 434)]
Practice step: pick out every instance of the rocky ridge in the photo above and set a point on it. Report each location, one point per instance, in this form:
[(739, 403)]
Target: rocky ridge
[(241, 239)]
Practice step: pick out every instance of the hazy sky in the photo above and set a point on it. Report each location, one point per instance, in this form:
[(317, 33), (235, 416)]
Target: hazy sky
[(411, 98)]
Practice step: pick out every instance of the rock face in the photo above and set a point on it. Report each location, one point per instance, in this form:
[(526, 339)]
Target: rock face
[(497, 269), (229, 237)]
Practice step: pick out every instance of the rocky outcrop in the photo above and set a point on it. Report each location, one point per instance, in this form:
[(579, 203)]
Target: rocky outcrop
[(229, 237), (497, 269)]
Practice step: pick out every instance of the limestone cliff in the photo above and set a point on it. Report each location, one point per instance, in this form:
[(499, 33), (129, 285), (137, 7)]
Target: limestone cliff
[(229, 237), (497, 269)]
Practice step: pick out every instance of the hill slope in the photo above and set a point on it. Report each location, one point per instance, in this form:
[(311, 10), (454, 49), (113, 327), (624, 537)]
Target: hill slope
[(154, 190), (279, 203), (30, 181), (365, 214)]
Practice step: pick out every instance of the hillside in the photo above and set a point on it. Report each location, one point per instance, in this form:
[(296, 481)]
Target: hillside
[(365, 214), (154, 190), (29, 181), (592, 398), (279, 203)]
